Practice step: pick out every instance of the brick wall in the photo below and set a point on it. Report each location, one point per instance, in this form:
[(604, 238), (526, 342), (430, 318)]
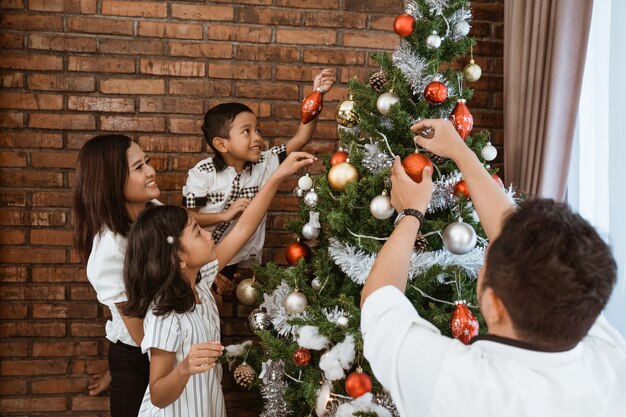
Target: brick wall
[(72, 68)]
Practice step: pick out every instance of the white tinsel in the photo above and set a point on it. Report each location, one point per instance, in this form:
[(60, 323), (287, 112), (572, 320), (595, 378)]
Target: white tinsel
[(411, 7), (364, 403), (334, 314), (375, 160), (273, 390), (323, 396), (275, 306), (337, 359), (357, 264), (436, 7), (411, 65), (309, 338), (460, 15), (349, 130)]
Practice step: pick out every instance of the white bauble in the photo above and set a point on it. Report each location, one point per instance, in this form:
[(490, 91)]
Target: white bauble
[(296, 302), (305, 182), (385, 101), (489, 152), (311, 199), (381, 207), (310, 232), (433, 41), (461, 28)]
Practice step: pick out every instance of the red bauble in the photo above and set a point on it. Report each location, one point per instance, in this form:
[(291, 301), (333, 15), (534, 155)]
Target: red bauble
[(462, 119), (403, 25), (339, 157), (461, 187), (301, 357), (312, 106), (436, 92), (295, 251), (464, 325), (414, 165), (358, 383), (498, 180)]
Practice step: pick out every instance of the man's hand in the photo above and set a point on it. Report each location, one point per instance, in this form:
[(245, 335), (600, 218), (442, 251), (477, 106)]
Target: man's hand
[(439, 137), (325, 80), (406, 193)]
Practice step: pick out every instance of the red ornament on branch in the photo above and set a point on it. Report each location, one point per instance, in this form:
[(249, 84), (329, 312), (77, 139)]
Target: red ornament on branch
[(461, 187), (338, 157), (436, 92), (414, 165), (498, 180), (358, 383), (302, 357), (312, 106), (403, 25), (462, 119), (295, 251), (464, 325)]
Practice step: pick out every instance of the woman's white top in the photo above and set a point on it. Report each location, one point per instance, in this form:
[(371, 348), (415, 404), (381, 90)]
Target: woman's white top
[(105, 268), (174, 332)]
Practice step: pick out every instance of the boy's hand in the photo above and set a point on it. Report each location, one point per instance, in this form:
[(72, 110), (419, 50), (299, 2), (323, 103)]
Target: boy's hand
[(293, 162), (325, 80), (236, 209), (224, 285), (439, 137), (406, 193)]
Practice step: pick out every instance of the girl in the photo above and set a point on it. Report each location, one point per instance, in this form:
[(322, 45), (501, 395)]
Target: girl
[(114, 182), (170, 265)]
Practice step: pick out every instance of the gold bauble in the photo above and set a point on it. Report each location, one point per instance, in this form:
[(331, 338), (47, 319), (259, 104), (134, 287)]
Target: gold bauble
[(472, 71), (345, 114), (246, 292), (341, 175)]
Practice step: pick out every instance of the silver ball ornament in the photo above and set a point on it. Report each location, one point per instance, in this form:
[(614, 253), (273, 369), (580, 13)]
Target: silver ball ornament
[(342, 321), (316, 284), (299, 192), (385, 101), (461, 28), (433, 41), (459, 237), (472, 71), (381, 207), (305, 182), (247, 292), (310, 232), (258, 320), (296, 302), (489, 152), (311, 199)]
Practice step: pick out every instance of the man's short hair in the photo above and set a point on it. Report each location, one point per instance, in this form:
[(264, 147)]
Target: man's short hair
[(552, 271), (218, 119)]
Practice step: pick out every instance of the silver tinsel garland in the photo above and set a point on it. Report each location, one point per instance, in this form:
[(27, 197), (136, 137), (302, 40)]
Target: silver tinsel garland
[(274, 304), (443, 193), (375, 160), (411, 65), (436, 7), (273, 390), (411, 7), (384, 400)]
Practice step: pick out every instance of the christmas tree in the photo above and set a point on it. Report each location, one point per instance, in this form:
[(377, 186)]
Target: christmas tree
[(310, 355)]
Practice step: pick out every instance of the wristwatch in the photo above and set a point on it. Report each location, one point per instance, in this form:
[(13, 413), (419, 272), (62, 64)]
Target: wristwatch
[(410, 212)]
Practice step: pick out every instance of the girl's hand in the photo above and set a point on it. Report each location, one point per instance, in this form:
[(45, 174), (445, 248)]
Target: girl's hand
[(236, 209), (201, 358), (325, 80), (293, 162)]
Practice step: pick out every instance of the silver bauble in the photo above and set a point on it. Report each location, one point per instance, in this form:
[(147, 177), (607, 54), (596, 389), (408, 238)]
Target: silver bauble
[(489, 152), (433, 41), (310, 232), (459, 237), (342, 321), (461, 28), (258, 320), (381, 207), (299, 192), (305, 182), (296, 302), (472, 71), (311, 199), (247, 292), (316, 284), (385, 101)]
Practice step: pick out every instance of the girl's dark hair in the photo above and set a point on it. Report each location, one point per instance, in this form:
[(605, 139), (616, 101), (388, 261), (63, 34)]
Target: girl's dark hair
[(152, 273), (101, 175)]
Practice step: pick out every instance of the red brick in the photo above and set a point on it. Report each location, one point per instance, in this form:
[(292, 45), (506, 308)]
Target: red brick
[(184, 163), (59, 274), (11, 119), (268, 91), (202, 88), (268, 53), (31, 61), (12, 237), (101, 64), (334, 57), (189, 126), (170, 105), (31, 218), (336, 19), (33, 292), (61, 82), (201, 12), (370, 40), (88, 366), (33, 404), (63, 311), (170, 30), (101, 104), (13, 311), (87, 329), (42, 349), (173, 68), (90, 403), (31, 101), (68, 6), (201, 50), (12, 4), (55, 198), (12, 198), (61, 43), (306, 36), (13, 274), (30, 140), (132, 86), (31, 179), (84, 292), (240, 71), (30, 22), (12, 80), (267, 16), (33, 367), (132, 123), (169, 144), (60, 386), (13, 349), (51, 237), (96, 25), (382, 22), (11, 41), (240, 33), (62, 121), (131, 46), (33, 329), (307, 4), (13, 159), (13, 386), (134, 8)]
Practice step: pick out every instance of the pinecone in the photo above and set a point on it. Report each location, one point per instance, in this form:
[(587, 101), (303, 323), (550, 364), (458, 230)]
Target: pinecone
[(244, 375), (436, 158), (421, 244), (378, 81)]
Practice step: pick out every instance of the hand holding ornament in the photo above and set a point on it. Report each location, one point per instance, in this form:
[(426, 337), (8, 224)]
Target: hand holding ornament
[(325, 80), (406, 193), (291, 164), (442, 139)]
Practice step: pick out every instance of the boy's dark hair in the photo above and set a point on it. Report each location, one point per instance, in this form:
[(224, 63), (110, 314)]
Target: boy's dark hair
[(218, 119), (152, 273), (101, 173), (552, 271)]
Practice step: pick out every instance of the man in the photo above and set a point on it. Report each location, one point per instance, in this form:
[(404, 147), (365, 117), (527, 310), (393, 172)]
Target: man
[(547, 276)]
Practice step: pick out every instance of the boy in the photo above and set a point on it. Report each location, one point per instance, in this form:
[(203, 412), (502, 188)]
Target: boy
[(221, 187)]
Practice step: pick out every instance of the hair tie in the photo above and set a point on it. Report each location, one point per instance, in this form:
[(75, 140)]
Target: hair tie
[(170, 240)]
